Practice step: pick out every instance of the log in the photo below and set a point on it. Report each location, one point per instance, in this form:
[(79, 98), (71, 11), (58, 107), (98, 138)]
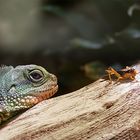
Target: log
[(99, 111)]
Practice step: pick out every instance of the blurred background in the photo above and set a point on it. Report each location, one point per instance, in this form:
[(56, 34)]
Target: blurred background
[(74, 39)]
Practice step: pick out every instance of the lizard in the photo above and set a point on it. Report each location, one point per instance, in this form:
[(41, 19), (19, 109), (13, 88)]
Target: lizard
[(22, 87)]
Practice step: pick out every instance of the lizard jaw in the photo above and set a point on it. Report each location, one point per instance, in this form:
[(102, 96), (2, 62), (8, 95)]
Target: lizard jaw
[(48, 93), (43, 95)]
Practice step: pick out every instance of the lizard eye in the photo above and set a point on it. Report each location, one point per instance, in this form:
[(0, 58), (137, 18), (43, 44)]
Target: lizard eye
[(36, 75)]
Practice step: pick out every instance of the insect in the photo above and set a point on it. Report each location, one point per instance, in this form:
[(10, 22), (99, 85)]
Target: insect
[(127, 73)]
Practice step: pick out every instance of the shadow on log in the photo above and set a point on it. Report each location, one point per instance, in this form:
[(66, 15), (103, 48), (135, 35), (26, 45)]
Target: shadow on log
[(99, 111)]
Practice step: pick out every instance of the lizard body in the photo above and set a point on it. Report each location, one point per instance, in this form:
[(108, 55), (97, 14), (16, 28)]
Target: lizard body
[(23, 87)]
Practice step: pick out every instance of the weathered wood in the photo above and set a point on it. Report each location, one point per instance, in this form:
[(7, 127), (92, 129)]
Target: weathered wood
[(100, 111)]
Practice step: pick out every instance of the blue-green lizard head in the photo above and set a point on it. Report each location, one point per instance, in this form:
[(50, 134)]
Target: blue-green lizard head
[(24, 86)]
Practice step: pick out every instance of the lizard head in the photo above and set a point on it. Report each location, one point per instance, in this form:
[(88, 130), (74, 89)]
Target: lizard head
[(25, 86)]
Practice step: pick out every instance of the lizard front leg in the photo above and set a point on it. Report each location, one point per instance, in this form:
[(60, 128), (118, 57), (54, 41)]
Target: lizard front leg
[(4, 115)]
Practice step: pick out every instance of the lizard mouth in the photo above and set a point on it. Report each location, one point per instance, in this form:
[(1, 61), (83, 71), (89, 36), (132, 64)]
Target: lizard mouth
[(49, 93), (45, 94)]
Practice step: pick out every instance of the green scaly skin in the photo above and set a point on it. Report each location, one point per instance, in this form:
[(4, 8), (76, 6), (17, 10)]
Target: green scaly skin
[(23, 87)]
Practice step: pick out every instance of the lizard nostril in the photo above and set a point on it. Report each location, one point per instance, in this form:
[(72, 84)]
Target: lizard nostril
[(53, 77)]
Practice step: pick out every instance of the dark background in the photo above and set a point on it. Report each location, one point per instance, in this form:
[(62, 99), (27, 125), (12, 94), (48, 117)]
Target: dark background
[(74, 39)]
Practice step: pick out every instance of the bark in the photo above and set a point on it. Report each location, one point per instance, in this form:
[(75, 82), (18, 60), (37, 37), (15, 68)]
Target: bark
[(99, 111)]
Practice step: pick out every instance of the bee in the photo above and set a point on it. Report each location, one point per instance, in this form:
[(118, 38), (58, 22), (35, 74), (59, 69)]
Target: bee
[(123, 74)]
